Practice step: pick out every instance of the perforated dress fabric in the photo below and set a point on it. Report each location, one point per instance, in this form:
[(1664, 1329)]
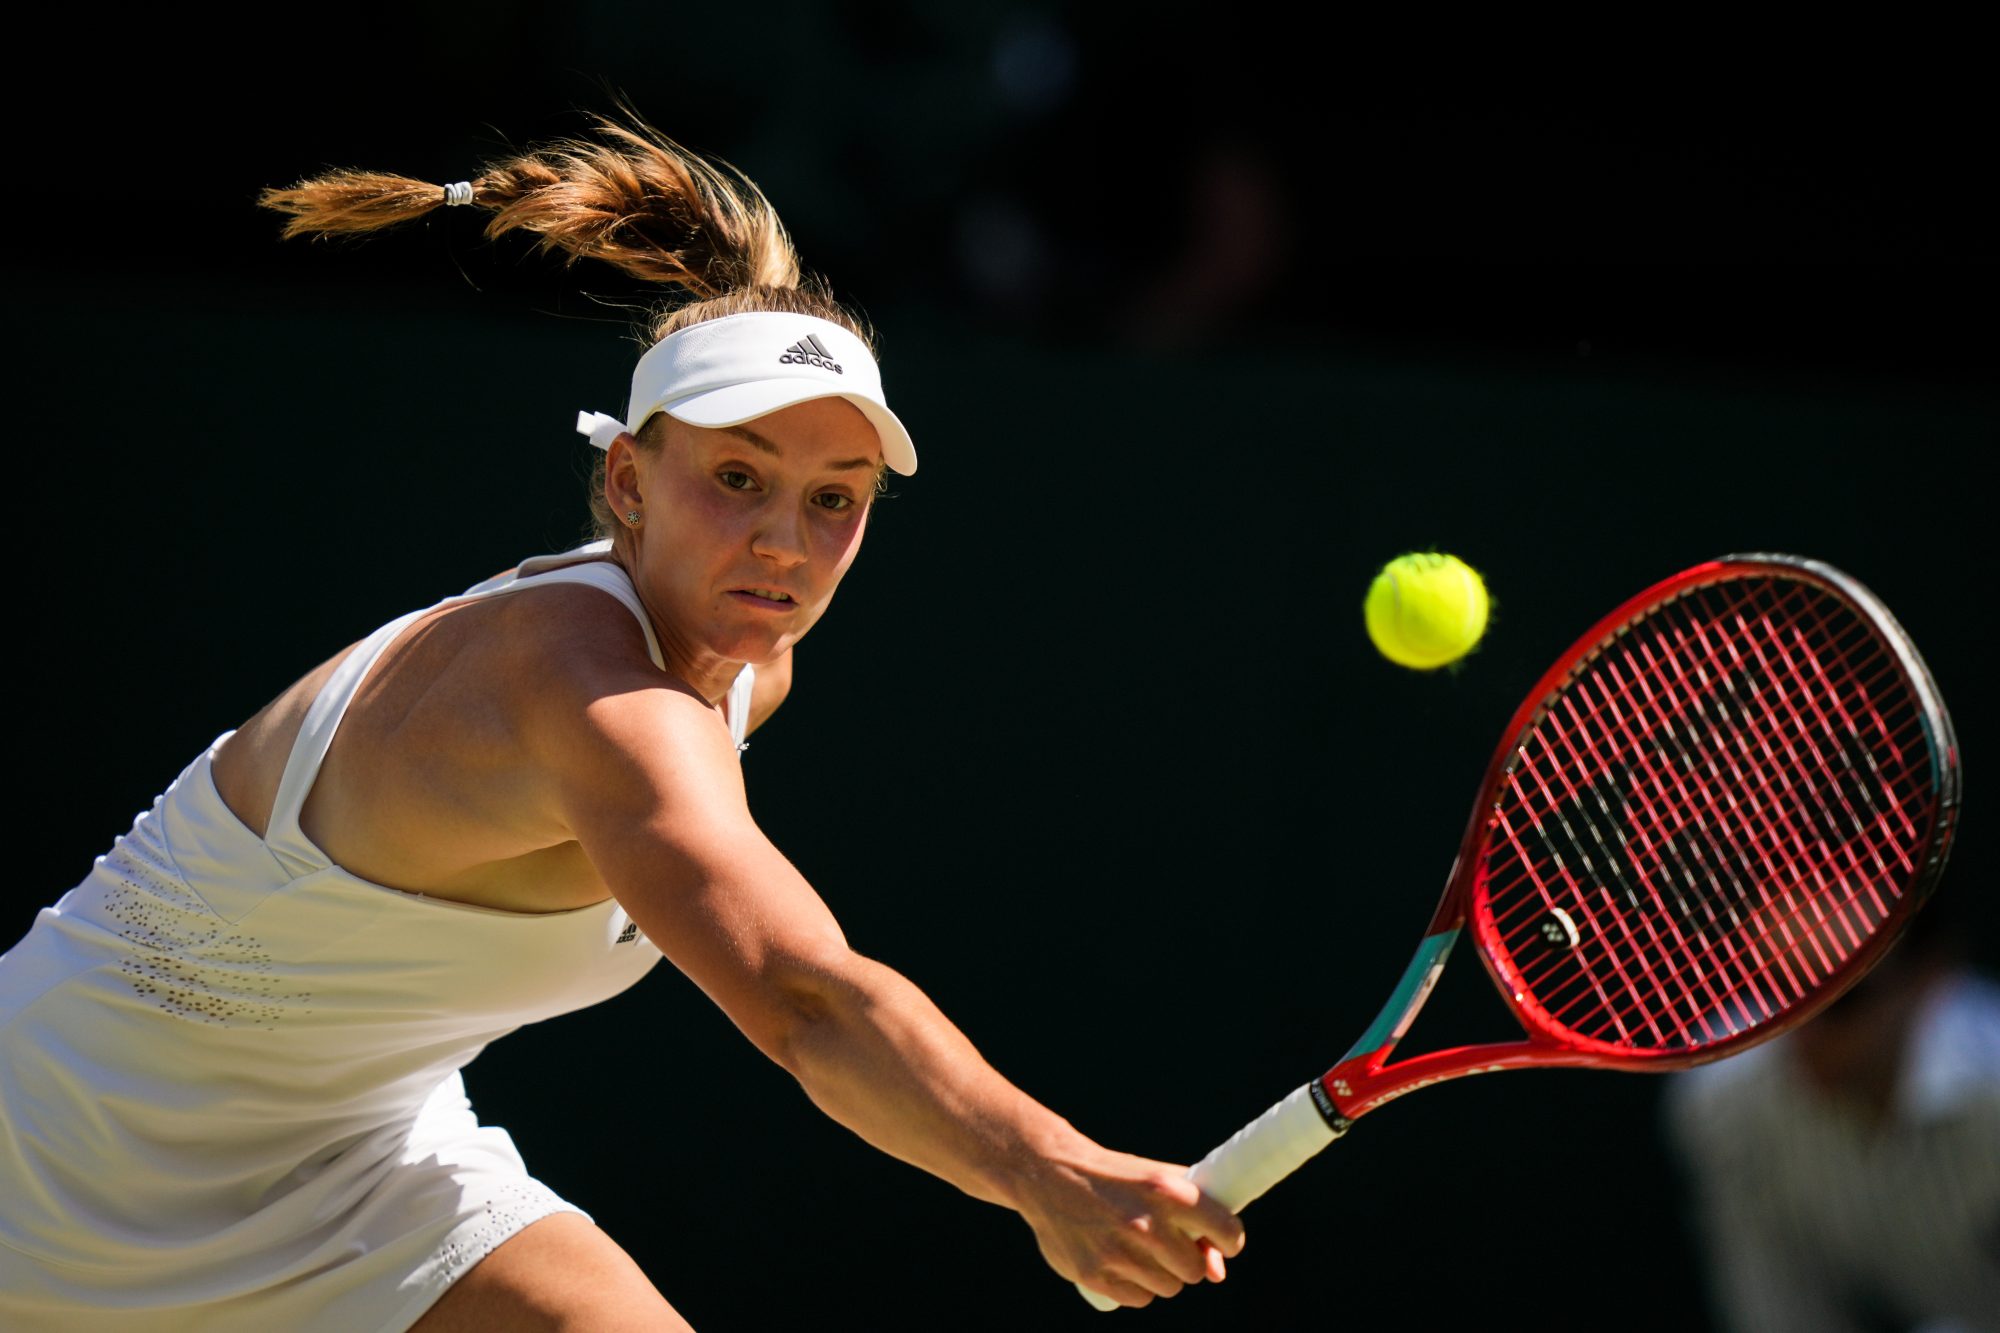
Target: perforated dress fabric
[(230, 1091)]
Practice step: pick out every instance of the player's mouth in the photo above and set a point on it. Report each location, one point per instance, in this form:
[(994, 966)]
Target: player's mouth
[(771, 599)]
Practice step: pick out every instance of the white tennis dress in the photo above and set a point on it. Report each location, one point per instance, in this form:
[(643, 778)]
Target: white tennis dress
[(229, 1069)]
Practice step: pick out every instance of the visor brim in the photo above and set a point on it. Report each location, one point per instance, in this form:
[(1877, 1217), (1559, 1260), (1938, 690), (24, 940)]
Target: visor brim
[(735, 404)]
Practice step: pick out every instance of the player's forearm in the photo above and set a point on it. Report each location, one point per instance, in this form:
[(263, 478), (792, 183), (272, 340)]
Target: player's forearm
[(877, 1056), (874, 1053)]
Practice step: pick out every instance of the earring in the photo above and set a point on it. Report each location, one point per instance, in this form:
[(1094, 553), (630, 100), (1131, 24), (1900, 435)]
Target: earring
[(632, 517)]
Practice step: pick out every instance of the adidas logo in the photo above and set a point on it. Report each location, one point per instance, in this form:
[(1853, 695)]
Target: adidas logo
[(630, 933), (810, 351)]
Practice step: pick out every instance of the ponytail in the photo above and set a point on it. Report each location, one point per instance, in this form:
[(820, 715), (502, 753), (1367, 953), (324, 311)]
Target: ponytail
[(628, 196)]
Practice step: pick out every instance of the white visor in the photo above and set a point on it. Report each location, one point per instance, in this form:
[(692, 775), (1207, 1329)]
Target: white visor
[(723, 372)]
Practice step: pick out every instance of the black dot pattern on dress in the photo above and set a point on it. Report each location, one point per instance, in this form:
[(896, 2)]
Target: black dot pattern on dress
[(513, 1206), (186, 960)]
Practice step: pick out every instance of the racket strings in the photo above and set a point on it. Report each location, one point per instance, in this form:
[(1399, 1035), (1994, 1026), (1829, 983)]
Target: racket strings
[(1593, 802), (1716, 812), (1843, 838), (1755, 966), (1744, 972), (1696, 854)]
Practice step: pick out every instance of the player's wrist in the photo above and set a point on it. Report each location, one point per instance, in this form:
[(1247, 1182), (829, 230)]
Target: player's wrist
[(1045, 1160)]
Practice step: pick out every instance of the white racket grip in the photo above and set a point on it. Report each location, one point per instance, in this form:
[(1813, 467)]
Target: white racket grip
[(1256, 1157), (1264, 1152)]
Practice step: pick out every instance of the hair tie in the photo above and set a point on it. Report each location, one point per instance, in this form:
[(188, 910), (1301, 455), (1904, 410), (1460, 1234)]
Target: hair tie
[(459, 193)]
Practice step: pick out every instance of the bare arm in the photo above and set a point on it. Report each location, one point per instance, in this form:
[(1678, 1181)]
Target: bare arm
[(648, 783)]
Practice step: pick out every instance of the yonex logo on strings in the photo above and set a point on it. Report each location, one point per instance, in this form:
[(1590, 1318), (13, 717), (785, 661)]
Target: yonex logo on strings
[(810, 351)]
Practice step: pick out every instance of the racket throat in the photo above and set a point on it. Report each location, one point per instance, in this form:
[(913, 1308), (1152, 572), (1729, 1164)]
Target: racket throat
[(1360, 1083), (1419, 978), (1355, 1089)]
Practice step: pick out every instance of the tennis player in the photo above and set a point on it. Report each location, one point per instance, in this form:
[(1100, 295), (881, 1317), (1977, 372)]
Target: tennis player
[(231, 1097)]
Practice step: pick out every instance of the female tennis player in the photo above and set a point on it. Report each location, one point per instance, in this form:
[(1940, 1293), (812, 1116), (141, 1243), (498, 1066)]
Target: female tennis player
[(232, 1096)]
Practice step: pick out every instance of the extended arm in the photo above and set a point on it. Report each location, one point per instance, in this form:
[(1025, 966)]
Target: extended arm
[(645, 778)]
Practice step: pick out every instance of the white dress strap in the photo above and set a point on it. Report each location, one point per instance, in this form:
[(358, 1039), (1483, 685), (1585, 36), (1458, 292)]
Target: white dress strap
[(736, 707), (287, 842)]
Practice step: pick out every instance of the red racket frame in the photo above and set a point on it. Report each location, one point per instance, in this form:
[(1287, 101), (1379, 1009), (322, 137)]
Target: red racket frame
[(1363, 1080)]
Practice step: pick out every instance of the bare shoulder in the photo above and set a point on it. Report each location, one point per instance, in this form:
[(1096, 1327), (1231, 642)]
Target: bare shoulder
[(567, 644), (548, 623), (452, 769), (605, 727)]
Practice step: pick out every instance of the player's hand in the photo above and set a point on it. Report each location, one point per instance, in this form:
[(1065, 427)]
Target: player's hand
[(1128, 1227)]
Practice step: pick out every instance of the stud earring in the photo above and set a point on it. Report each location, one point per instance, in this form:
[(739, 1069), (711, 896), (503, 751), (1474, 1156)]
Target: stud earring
[(632, 517)]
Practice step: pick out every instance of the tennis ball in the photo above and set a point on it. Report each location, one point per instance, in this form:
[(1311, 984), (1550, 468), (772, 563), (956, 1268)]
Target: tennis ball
[(1426, 609)]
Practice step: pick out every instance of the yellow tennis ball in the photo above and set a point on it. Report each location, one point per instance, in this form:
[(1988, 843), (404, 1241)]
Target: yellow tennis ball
[(1426, 609)]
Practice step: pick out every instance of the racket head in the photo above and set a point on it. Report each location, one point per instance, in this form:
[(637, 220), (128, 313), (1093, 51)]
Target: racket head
[(1711, 816)]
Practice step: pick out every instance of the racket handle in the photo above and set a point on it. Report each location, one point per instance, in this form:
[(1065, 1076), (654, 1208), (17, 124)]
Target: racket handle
[(1256, 1157), (1264, 1152)]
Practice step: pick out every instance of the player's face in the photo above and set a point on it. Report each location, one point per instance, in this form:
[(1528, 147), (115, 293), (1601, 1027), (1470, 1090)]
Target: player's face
[(747, 530)]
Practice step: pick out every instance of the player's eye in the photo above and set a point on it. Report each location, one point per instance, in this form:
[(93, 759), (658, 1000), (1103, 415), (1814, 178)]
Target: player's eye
[(734, 480), (835, 501)]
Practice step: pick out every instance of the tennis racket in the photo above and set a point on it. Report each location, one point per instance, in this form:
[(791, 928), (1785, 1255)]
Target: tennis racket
[(1710, 817)]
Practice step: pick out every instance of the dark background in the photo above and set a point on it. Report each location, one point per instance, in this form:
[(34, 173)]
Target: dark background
[(1196, 321)]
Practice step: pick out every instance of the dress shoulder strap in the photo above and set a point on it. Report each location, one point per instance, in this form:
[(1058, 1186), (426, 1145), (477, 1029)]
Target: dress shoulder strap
[(737, 706), (283, 836)]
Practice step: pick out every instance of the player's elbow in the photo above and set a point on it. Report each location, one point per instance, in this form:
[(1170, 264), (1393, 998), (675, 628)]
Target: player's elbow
[(810, 999)]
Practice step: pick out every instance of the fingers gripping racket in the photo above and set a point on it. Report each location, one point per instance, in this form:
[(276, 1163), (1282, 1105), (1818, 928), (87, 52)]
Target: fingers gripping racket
[(1709, 818)]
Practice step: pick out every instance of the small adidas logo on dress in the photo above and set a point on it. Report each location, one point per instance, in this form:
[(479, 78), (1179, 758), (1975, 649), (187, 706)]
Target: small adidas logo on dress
[(630, 933), (810, 351)]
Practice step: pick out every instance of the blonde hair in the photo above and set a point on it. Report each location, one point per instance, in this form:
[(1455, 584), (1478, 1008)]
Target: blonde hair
[(630, 197)]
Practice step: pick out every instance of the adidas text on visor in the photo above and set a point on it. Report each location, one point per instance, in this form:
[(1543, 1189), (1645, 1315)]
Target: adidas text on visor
[(727, 371)]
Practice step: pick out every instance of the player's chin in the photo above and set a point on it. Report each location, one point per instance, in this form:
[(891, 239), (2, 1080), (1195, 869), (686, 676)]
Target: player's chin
[(757, 644)]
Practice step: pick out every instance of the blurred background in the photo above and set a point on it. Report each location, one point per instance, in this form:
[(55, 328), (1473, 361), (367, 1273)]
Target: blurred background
[(1197, 318)]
